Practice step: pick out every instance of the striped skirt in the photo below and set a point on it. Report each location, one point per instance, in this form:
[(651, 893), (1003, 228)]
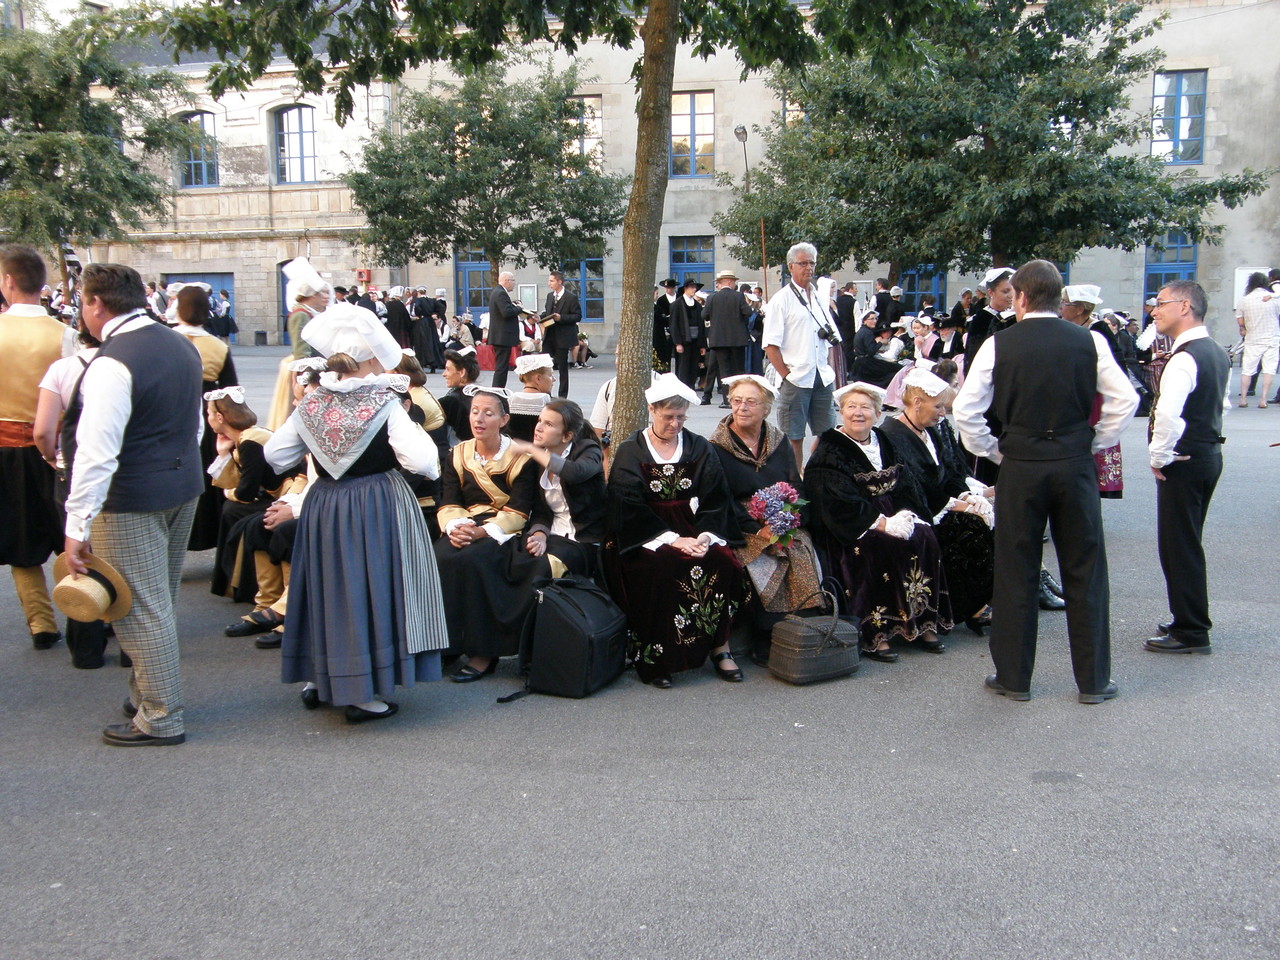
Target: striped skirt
[(365, 613)]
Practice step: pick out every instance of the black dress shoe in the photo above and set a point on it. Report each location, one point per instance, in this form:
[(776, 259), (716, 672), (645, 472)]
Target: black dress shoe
[(129, 709), (1174, 645), (1052, 585), (978, 624), (935, 646), (1109, 692), (469, 674), (310, 698), (1164, 628), (260, 621), (45, 640), (733, 676), (127, 735), (361, 715), (995, 686), (271, 641), (125, 660), (662, 683), (1049, 600), (884, 656)]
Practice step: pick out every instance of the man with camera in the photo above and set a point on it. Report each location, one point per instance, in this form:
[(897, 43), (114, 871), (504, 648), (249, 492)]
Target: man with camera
[(798, 333)]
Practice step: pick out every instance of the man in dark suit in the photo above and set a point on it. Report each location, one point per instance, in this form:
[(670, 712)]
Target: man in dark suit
[(504, 326), (725, 316), (662, 304), (884, 305), (1047, 473), (560, 335), (1186, 458), (846, 322)]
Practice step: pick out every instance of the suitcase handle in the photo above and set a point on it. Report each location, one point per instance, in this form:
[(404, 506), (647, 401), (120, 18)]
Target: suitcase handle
[(830, 637)]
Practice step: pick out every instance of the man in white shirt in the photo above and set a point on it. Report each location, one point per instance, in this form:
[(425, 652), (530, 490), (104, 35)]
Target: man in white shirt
[(1186, 457), (798, 333), (132, 436), (1047, 474)]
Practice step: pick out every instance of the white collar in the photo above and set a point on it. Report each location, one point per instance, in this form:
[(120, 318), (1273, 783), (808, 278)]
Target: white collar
[(389, 381), (1198, 332), (191, 330), (27, 310), (118, 323)]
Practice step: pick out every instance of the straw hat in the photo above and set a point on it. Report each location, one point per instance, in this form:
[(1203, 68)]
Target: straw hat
[(101, 594)]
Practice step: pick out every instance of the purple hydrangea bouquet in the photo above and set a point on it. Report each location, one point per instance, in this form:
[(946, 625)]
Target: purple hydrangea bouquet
[(778, 510)]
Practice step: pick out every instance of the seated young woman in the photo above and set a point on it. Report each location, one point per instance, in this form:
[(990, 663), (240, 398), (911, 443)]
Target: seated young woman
[(883, 554), (461, 369), (488, 490), (669, 557), (537, 373), (754, 455), (250, 485)]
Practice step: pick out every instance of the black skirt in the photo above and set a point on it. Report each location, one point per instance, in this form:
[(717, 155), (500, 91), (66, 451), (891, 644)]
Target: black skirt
[(32, 528)]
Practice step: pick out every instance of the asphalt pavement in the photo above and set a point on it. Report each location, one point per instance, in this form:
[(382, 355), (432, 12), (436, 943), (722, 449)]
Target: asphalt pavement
[(903, 812)]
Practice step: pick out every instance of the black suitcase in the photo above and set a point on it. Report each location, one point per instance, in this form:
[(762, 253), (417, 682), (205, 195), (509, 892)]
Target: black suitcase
[(577, 642)]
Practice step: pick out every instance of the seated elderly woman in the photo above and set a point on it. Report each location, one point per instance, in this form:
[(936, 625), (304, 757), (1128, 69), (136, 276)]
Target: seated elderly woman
[(537, 372), (755, 455), (884, 556), (488, 491), (668, 559), (945, 493)]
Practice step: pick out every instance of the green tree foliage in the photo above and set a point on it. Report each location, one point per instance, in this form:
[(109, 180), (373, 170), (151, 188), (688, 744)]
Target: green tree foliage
[(1009, 136), (81, 133), (488, 163)]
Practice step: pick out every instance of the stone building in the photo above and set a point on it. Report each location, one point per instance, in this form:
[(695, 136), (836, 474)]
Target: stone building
[(270, 191)]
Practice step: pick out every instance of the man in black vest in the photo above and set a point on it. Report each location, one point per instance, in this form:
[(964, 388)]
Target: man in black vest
[(504, 326), (131, 434), (560, 336), (1186, 458), (1047, 473)]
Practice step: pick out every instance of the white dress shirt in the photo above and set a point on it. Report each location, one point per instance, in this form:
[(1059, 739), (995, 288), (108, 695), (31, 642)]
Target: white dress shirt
[(791, 321), (1176, 384), (106, 398), (1119, 399)]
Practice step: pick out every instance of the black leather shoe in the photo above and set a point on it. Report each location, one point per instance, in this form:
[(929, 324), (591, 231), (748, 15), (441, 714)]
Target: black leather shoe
[(662, 683), (260, 621), (1109, 692), (995, 686), (360, 715), (45, 640), (127, 735), (733, 676), (978, 624), (271, 641), (1049, 600), (1050, 584), (934, 646), (125, 660), (469, 674), (310, 698), (1164, 628), (130, 710), (1174, 645), (884, 656)]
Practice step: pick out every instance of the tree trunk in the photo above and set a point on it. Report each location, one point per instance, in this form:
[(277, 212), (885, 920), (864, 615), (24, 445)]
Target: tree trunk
[(642, 226)]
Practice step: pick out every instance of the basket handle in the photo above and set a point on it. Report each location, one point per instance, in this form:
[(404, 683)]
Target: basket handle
[(835, 616)]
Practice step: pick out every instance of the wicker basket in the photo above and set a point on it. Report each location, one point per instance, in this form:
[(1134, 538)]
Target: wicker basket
[(811, 649)]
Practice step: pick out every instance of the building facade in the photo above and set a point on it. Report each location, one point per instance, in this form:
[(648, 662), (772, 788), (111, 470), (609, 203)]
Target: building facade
[(269, 190)]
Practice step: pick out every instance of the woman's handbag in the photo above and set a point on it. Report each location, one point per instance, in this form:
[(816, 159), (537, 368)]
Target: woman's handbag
[(810, 649)]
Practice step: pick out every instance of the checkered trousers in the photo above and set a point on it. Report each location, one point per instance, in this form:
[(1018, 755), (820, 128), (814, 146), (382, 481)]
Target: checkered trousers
[(148, 549)]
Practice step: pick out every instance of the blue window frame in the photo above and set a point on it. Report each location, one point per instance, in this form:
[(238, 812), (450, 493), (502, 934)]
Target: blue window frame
[(1177, 261), (925, 278), (1177, 124), (1064, 268), (693, 135), (296, 145), (694, 257), (200, 166), (585, 279), (473, 279)]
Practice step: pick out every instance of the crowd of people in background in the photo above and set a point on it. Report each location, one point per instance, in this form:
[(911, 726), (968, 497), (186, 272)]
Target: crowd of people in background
[(378, 531)]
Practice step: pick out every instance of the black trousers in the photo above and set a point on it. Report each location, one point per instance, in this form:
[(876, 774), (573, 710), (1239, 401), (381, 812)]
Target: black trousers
[(722, 362), (561, 359), (501, 364), (1182, 503), (1063, 493), (686, 364)]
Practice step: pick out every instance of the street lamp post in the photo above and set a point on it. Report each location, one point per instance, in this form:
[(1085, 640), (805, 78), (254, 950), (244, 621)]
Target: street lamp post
[(740, 132)]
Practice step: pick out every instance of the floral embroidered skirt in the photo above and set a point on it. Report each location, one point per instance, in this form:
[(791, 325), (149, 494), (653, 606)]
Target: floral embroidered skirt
[(678, 608), (894, 588)]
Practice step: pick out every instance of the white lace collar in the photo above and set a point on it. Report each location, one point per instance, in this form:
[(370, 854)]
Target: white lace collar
[(388, 381), (503, 444)]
